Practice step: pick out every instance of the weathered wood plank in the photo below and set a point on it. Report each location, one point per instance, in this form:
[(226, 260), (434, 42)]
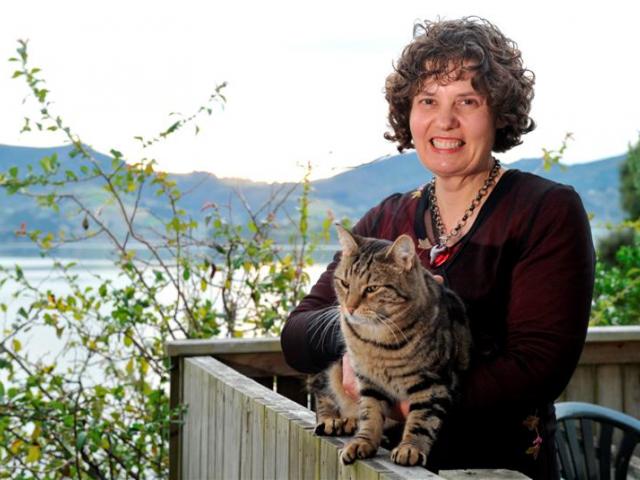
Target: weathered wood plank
[(367, 470), (246, 442), (398, 471), (231, 460), (598, 353), (189, 348), (258, 364), (582, 385), (270, 443), (626, 333), (311, 455), (190, 427), (481, 475), (220, 430), (632, 390), (294, 454), (213, 413), (175, 399), (347, 472), (329, 457), (609, 391), (203, 420), (257, 439), (198, 347), (282, 443)]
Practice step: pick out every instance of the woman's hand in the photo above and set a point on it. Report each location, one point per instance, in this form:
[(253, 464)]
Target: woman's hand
[(349, 379)]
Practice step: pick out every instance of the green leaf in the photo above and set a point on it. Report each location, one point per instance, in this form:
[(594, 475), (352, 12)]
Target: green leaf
[(17, 73), (45, 163), (81, 440), (17, 346), (171, 129)]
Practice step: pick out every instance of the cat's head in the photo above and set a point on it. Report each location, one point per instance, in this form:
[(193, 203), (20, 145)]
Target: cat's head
[(377, 280)]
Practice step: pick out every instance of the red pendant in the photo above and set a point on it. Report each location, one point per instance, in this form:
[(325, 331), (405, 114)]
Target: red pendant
[(440, 258)]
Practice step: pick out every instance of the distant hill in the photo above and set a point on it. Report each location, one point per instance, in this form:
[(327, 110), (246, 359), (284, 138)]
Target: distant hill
[(348, 194)]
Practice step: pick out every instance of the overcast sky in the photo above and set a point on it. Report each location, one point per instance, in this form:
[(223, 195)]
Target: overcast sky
[(305, 79)]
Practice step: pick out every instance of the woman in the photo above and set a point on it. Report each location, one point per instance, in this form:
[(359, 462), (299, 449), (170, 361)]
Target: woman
[(516, 248)]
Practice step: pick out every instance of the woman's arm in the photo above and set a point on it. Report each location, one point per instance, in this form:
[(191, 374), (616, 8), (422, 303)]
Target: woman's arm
[(548, 310)]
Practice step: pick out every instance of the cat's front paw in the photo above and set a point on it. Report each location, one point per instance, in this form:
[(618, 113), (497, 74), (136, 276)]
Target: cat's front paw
[(358, 448), (408, 454), (334, 426)]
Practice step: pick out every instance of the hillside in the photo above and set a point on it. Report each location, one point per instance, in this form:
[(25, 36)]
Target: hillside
[(348, 194)]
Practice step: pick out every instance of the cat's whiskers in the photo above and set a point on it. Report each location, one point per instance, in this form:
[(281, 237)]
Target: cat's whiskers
[(324, 323), (390, 325)]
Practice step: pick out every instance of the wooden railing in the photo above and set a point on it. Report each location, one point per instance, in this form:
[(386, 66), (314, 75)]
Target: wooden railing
[(247, 417), (608, 373)]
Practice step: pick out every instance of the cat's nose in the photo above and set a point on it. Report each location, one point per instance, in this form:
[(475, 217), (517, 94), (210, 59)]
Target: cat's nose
[(350, 310)]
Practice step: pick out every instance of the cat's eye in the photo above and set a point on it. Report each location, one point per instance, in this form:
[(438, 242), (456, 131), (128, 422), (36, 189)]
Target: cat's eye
[(343, 283), (371, 288)]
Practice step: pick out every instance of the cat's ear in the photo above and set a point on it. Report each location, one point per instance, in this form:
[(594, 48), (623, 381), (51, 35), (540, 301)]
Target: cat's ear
[(403, 252), (347, 240)]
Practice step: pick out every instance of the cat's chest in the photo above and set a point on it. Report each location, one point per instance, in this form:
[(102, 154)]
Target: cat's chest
[(383, 372)]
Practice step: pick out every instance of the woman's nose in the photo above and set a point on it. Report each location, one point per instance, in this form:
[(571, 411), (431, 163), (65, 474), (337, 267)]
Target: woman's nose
[(447, 119)]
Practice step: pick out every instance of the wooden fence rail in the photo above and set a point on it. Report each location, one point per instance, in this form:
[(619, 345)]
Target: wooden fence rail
[(247, 414), (236, 428)]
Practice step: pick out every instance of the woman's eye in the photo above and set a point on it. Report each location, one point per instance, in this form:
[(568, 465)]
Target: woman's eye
[(371, 289), (427, 101), (469, 102)]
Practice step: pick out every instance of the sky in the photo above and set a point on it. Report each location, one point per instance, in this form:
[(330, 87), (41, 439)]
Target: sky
[(305, 79)]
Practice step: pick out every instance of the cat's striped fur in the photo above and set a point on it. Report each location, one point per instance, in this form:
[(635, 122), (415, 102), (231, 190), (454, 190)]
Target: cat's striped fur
[(408, 339)]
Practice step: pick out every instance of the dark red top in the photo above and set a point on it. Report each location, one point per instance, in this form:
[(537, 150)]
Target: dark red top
[(525, 271)]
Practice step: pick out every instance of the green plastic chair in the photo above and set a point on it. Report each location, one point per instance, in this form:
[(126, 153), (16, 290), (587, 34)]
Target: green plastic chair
[(586, 445)]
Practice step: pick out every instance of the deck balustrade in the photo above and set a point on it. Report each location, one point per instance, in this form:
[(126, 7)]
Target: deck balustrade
[(247, 413)]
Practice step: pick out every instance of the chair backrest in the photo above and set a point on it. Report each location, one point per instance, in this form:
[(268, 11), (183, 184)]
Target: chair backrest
[(586, 445)]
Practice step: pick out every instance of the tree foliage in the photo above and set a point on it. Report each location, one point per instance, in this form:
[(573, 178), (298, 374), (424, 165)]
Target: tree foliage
[(630, 182), (617, 286), (99, 407)]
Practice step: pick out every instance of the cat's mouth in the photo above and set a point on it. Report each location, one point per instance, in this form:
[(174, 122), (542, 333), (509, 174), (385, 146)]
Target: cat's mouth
[(356, 319)]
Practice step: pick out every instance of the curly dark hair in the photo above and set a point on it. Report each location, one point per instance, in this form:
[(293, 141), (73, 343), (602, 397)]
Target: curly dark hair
[(446, 50)]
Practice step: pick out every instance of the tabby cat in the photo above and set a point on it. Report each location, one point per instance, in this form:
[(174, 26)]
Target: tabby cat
[(408, 339)]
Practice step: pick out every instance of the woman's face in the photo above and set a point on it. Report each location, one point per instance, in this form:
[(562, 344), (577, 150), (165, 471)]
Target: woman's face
[(453, 128)]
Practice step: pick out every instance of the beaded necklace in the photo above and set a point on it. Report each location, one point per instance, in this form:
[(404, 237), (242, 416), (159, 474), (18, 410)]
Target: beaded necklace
[(440, 252)]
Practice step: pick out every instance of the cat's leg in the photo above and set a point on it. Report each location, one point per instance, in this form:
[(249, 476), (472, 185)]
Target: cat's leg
[(374, 406), (335, 411), (428, 405)]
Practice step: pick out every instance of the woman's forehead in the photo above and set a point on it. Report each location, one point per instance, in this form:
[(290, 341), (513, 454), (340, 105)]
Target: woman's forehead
[(443, 72), (461, 84)]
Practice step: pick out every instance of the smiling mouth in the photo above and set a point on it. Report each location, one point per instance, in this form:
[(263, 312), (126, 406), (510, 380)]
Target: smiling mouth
[(446, 144)]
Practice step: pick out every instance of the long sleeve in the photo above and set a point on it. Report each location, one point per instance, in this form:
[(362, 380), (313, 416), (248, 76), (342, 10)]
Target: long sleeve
[(547, 309), (310, 340)]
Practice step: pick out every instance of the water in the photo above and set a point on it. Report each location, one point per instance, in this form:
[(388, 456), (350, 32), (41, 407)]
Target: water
[(41, 342)]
